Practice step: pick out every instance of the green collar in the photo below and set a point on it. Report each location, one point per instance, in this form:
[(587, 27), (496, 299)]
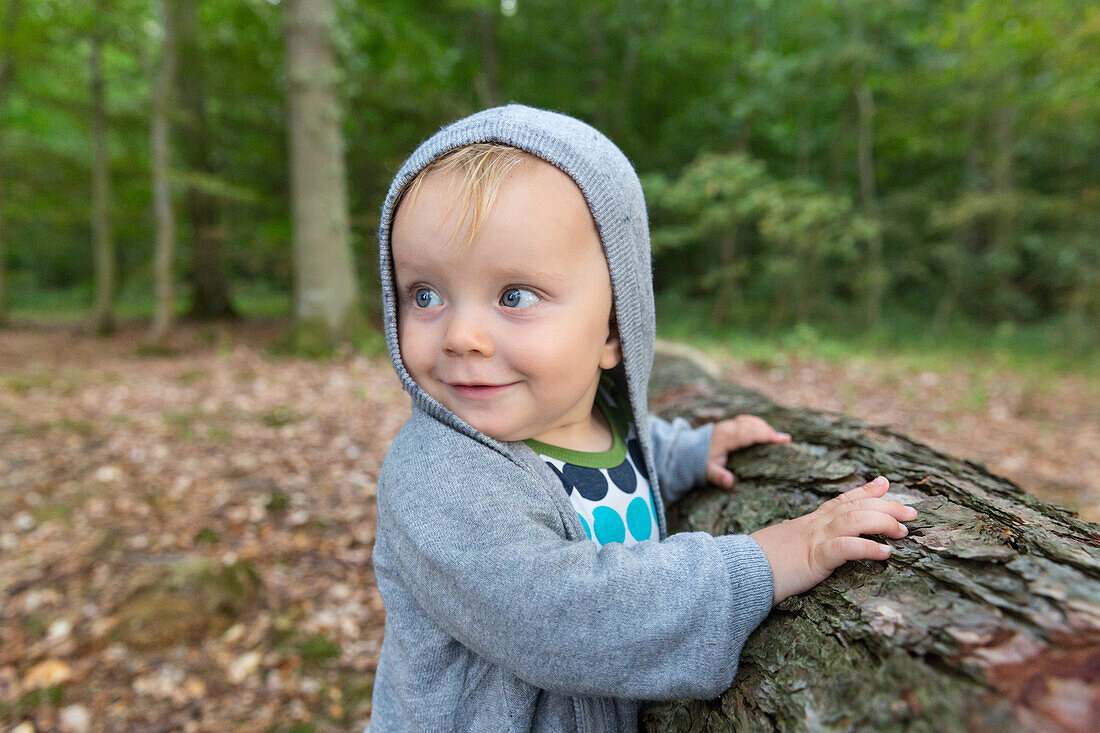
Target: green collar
[(609, 458)]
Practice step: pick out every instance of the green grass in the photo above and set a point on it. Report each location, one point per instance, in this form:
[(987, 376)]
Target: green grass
[(904, 341), (72, 305)]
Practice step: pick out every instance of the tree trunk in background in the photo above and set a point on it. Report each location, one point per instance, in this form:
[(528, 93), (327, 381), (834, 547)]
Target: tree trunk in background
[(865, 154), (597, 70), (1004, 223), (625, 86), (7, 70), (164, 308), (102, 310), (986, 617), (487, 83), (325, 285), (963, 237), (727, 285), (210, 297)]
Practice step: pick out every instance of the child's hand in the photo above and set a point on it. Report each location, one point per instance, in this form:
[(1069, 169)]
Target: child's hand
[(730, 435), (804, 551)]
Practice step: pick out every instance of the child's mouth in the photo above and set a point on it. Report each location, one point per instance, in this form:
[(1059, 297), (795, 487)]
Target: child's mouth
[(475, 391)]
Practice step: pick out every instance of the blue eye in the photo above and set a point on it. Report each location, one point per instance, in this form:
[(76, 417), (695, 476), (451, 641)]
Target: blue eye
[(518, 298), (425, 298)]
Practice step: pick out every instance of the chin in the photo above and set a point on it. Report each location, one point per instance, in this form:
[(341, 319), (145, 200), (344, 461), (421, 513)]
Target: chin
[(503, 433)]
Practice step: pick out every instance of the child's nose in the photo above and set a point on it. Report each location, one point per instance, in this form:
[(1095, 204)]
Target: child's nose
[(466, 333)]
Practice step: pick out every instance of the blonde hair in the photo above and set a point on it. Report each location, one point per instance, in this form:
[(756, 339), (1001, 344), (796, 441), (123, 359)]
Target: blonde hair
[(480, 169)]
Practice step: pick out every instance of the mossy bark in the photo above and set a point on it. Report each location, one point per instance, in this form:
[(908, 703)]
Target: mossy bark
[(986, 617)]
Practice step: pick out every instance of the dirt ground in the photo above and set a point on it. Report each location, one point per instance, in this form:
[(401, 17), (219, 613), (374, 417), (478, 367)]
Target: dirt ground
[(185, 536)]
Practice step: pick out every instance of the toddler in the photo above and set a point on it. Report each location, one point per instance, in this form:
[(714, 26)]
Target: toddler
[(522, 552)]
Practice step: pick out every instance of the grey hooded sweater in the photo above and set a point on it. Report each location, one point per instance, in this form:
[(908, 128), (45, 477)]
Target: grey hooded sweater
[(501, 615)]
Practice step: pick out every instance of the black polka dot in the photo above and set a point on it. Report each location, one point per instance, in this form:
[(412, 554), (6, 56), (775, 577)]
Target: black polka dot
[(564, 481), (624, 477), (590, 482), (635, 449)]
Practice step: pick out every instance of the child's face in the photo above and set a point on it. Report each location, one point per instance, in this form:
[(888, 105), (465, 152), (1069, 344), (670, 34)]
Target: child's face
[(510, 331)]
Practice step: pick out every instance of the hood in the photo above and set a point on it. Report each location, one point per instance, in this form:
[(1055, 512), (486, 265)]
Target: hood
[(614, 196)]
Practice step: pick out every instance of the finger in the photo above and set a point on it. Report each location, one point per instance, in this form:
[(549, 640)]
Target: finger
[(719, 475), (866, 521), (765, 433), (758, 430), (876, 488), (840, 550), (900, 512)]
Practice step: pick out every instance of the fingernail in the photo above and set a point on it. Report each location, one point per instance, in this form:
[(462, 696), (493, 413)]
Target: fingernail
[(888, 548)]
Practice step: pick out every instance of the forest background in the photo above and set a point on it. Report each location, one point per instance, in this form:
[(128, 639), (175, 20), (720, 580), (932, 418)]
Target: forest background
[(888, 209), (901, 172)]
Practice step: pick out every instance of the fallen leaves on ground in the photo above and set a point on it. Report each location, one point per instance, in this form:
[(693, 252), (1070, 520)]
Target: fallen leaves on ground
[(185, 539), (186, 534)]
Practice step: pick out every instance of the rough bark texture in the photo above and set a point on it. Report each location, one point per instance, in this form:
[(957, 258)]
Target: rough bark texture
[(986, 617)]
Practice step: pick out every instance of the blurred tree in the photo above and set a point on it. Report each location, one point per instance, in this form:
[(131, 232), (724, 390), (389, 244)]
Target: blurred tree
[(210, 296), (102, 320), (8, 22), (325, 285), (160, 148), (957, 144)]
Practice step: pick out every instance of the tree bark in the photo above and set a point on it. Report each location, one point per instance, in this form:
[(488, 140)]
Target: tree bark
[(210, 296), (102, 310), (163, 311), (986, 617), (325, 276)]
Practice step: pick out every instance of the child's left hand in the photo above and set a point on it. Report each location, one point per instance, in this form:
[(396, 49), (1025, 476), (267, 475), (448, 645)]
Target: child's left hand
[(730, 435)]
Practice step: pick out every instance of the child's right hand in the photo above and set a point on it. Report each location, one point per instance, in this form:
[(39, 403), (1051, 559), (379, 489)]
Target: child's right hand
[(803, 551)]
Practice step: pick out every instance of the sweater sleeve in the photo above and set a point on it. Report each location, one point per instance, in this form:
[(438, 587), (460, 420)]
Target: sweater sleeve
[(480, 545), (680, 453)]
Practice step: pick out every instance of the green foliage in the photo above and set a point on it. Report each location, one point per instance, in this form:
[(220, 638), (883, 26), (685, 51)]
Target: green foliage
[(773, 232), (743, 118)]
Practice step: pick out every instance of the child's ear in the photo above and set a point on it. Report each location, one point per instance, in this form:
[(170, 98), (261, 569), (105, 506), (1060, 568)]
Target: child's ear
[(612, 349)]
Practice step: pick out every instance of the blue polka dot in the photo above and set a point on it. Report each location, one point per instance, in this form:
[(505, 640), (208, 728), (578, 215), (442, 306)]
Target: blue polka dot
[(608, 525), (584, 524), (635, 449), (590, 482), (624, 477), (637, 518), (653, 507), (564, 481)]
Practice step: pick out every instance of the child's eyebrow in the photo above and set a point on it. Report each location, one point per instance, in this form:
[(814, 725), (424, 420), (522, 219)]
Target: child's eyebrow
[(522, 274), (517, 274)]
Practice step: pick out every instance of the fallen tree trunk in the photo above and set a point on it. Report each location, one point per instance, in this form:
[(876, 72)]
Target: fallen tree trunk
[(986, 617)]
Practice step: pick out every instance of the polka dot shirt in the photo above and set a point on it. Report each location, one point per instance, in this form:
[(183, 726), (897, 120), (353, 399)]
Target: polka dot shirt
[(609, 490)]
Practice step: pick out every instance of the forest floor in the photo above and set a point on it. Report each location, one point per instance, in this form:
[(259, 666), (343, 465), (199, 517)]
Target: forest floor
[(185, 535)]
